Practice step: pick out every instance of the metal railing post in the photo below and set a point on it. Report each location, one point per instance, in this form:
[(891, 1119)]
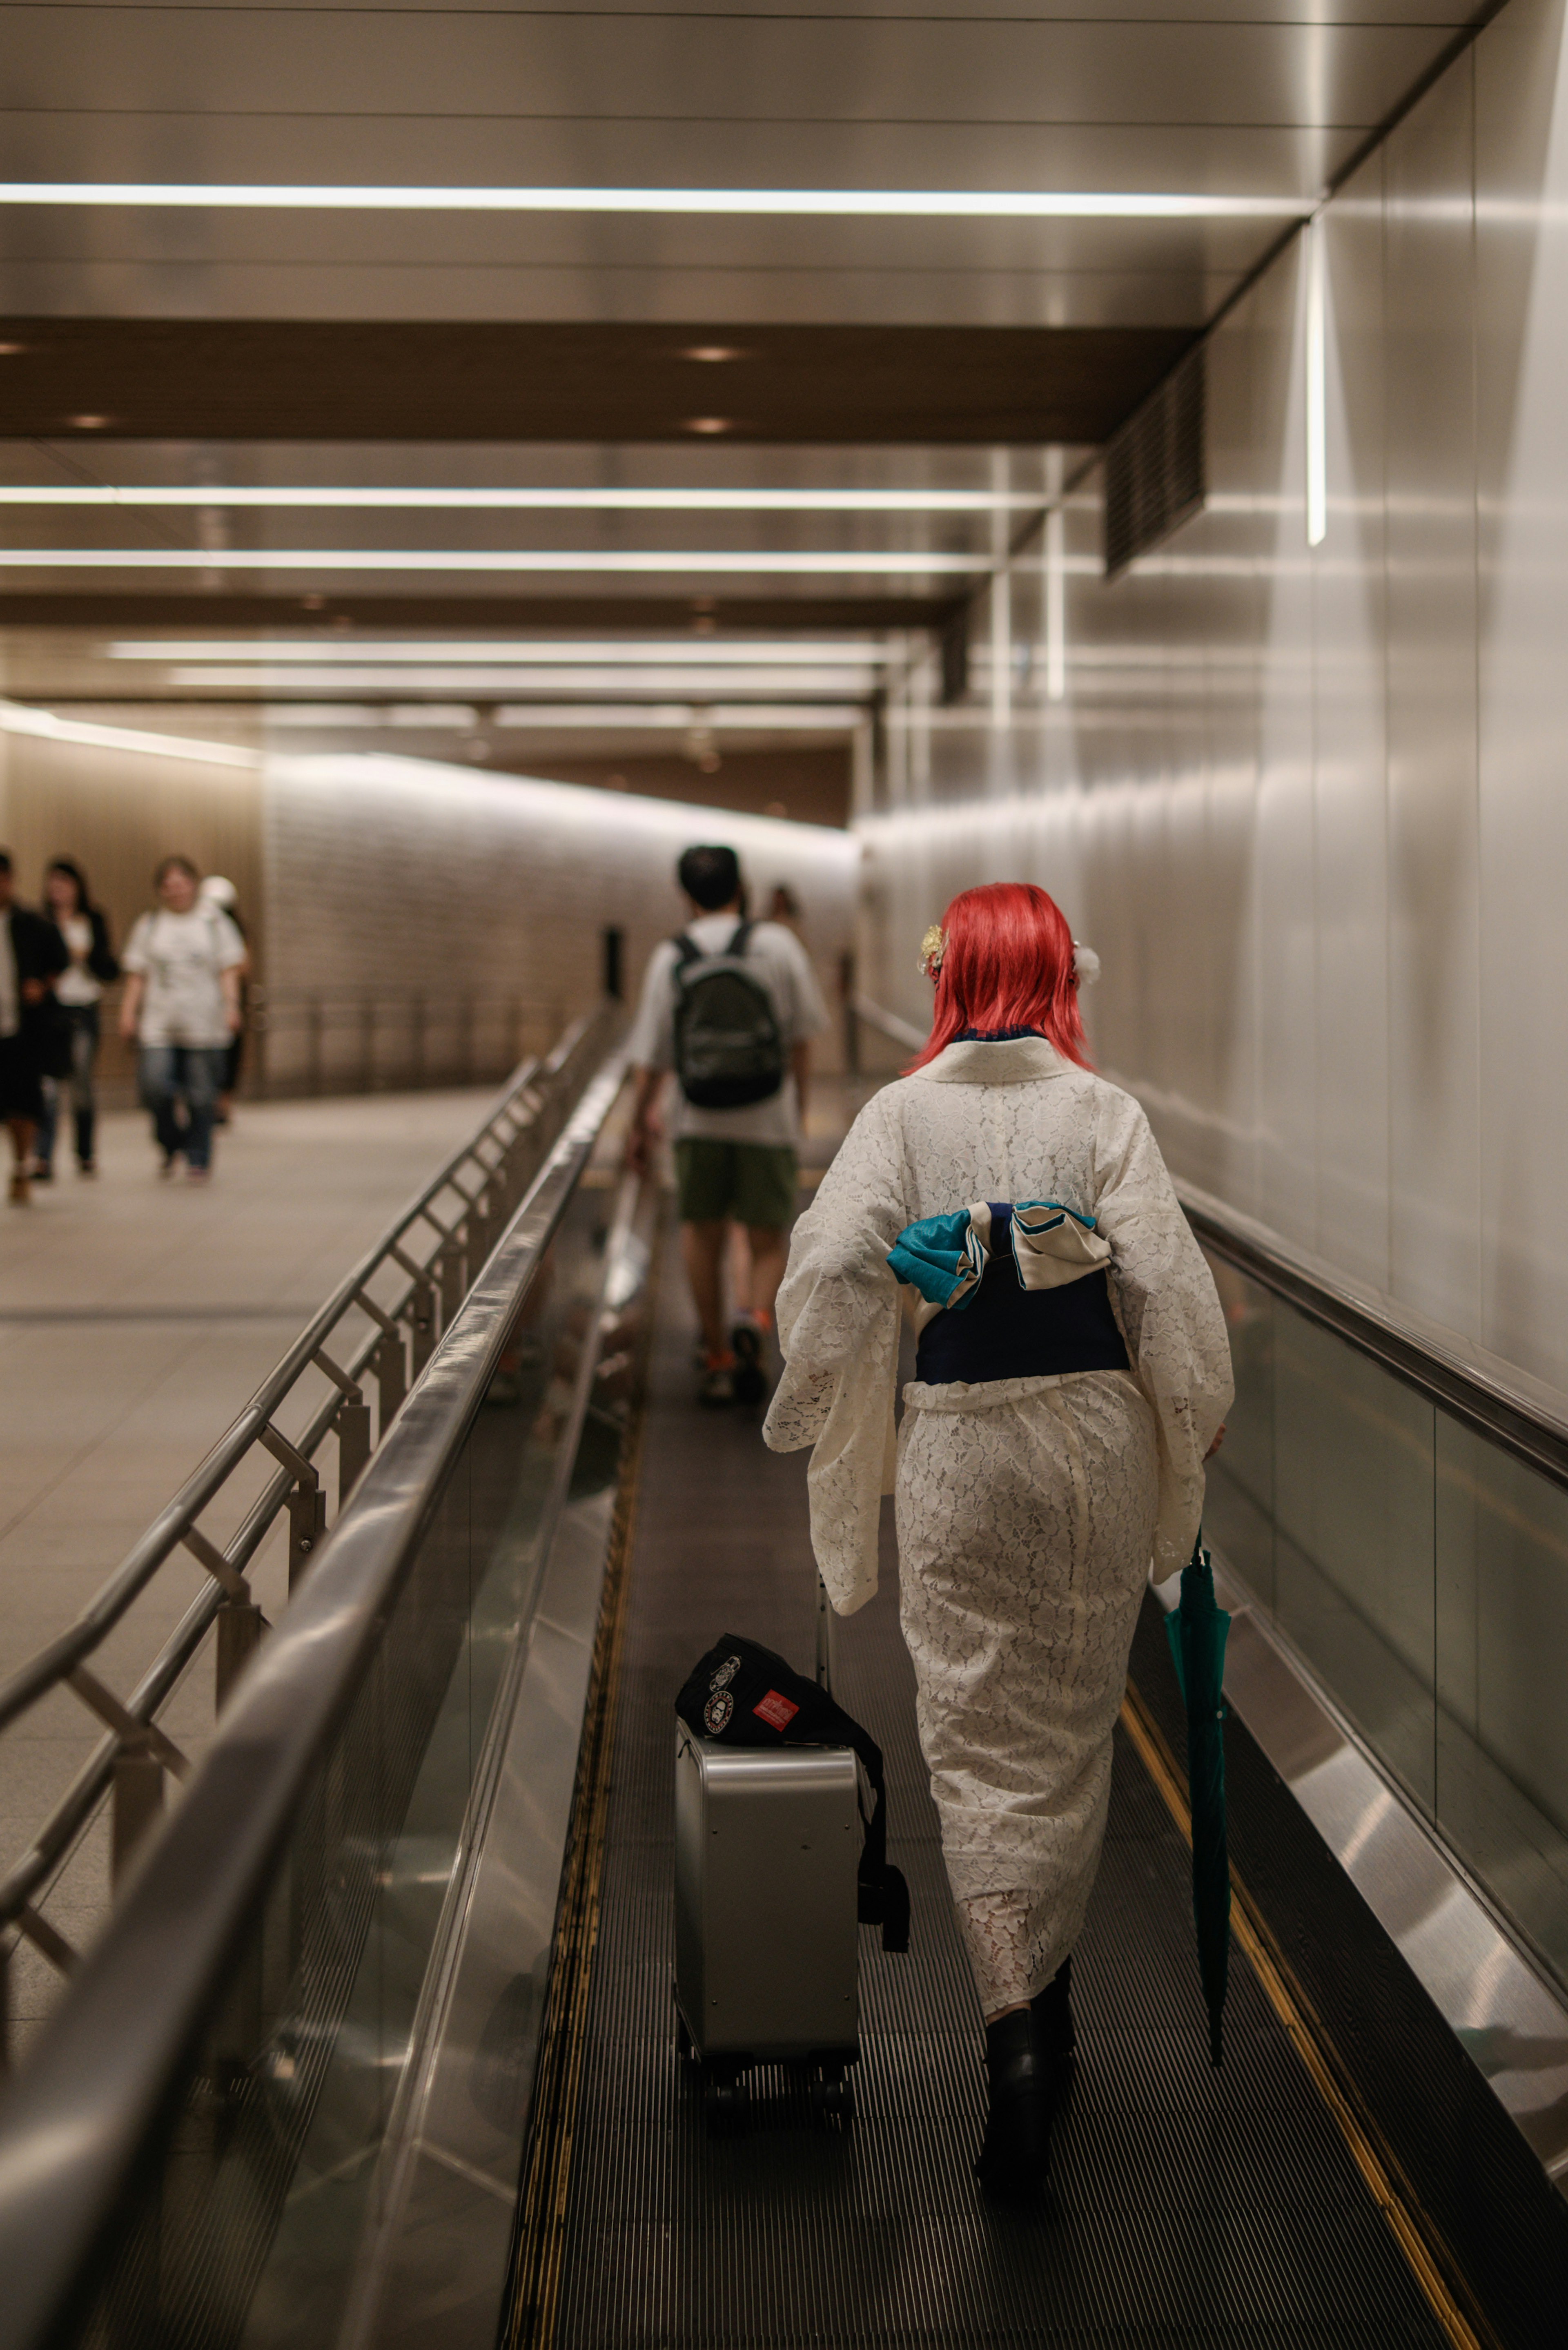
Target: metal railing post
[(138, 1804), (353, 1426), (391, 1377), (421, 1312), (448, 1274), (239, 1629), (307, 1524)]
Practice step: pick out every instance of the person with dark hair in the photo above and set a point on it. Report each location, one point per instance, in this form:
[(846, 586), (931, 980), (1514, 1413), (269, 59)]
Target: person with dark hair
[(77, 994), (729, 1006), (1071, 1376), (182, 1005), (217, 890), (32, 956)]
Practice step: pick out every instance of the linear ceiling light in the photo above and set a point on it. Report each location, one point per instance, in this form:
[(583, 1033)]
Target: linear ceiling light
[(608, 717), (425, 559), (659, 683), (526, 501), (803, 652), (846, 203)]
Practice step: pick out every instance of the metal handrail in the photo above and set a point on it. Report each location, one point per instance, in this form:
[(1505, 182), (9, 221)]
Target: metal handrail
[(1514, 1422), (476, 1190), (1517, 1423), (75, 2123)]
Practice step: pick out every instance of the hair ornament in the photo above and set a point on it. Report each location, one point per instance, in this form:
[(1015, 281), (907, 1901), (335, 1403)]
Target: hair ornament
[(1085, 965), (933, 946)]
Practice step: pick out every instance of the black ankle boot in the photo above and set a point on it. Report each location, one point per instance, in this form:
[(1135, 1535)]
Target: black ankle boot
[(1016, 2159), (1052, 2011)]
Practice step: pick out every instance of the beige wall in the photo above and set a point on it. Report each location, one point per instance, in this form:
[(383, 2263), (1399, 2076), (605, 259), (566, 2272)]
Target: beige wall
[(117, 811)]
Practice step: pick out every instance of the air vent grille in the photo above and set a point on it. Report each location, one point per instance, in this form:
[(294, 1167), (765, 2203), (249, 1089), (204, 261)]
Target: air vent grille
[(1154, 473)]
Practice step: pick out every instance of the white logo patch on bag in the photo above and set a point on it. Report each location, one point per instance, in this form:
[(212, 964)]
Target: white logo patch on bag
[(718, 1710)]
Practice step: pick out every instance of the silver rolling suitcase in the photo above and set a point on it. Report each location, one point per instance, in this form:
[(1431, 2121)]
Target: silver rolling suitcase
[(767, 1847)]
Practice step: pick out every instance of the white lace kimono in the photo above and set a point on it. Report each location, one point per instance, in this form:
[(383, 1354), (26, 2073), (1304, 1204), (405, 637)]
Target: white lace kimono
[(1028, 1509)]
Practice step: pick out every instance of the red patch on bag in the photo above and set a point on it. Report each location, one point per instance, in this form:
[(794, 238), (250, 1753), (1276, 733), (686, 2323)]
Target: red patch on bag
[(776, 1710)]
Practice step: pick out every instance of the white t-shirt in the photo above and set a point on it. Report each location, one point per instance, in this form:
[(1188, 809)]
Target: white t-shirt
[(181, 956), (76, 985), (785, 969)]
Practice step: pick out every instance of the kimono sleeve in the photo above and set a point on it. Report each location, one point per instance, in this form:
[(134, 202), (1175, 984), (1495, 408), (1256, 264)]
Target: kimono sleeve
[(1170, 1316), (838, 1330)]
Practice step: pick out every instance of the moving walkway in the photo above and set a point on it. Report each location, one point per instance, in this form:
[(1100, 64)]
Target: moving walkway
[(378, 2048)]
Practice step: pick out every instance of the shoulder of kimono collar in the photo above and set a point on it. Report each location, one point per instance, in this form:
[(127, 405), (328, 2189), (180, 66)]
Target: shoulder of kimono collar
[(1022, 1061)]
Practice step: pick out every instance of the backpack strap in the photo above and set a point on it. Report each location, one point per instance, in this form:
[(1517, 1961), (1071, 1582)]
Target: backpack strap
[(687, 950), (744, 930)]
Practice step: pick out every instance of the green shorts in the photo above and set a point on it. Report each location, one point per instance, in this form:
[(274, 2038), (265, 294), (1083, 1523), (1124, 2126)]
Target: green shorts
[(752, 1182)]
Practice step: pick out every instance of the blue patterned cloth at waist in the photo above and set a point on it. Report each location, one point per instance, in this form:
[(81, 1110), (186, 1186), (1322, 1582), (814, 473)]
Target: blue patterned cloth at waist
[(1005, 1331)]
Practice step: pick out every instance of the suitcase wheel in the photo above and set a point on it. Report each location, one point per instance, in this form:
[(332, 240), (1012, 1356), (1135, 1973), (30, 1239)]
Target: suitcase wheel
[(725, 2102), (833, 2096)]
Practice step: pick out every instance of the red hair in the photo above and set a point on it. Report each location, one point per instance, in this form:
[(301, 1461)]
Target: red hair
[(1007, 963)]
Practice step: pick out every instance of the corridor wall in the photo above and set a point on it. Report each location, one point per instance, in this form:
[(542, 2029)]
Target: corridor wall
[(1306, 801)]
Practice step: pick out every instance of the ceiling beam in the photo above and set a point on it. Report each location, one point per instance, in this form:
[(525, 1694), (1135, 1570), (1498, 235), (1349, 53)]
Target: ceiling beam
[(481, 615), (347, 380)]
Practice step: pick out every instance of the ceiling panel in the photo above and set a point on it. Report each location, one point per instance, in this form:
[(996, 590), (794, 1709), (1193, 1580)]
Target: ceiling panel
[(190, 379), (379, 344), (226, 65)]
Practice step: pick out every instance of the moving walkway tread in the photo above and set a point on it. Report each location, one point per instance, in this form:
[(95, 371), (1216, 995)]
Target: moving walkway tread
[(1188, 2206)]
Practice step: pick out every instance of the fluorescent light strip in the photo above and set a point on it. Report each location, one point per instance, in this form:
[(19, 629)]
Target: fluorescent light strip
[(15, 718), (832, 203), (589, 501), (1316, 401), (802, 653), (660, 683), (382, 558), (610, 717)]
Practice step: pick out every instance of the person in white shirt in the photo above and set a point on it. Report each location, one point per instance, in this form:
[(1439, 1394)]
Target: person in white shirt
[(182, 1007), (78, 990), (730, 1007)]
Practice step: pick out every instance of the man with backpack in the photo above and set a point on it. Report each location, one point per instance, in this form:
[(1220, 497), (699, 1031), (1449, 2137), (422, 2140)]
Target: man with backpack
[(730, 1007)]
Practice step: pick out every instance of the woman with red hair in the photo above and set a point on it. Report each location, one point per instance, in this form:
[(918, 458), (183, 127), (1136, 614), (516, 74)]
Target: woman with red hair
[(1072, 1374)]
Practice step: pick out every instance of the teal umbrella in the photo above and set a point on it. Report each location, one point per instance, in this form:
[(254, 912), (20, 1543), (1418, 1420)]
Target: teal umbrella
[(1197, 1631)]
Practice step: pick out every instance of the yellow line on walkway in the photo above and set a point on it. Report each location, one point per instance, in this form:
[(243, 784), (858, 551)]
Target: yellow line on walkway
[(1415, 2235)]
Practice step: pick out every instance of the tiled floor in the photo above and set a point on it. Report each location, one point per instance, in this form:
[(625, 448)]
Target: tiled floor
[(136, 1317)]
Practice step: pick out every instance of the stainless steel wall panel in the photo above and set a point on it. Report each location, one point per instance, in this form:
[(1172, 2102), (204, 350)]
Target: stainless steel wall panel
[(1285, 901), (1522, 171), (1350, 751), (1434, 903)]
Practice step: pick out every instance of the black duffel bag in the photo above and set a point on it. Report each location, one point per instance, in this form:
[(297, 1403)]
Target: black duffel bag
[(742, 1694)]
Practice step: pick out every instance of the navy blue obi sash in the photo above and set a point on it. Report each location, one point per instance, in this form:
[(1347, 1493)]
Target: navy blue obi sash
[(1008, 1332)]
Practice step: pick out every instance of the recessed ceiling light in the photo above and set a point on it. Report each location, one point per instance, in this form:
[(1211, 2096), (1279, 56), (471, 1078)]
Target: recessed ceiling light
[(86, 423), (9, 351), (709, 423), (712, 354)]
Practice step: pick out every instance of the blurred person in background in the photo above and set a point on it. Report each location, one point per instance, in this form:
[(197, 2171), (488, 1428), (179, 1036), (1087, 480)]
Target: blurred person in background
[(218, 892), (182, 1008), (32, 956), (784, 907), (77, 994), (729, 1006)]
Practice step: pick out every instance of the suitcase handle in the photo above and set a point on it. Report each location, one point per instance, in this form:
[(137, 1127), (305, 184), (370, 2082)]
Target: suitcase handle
[(826, 1639)]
